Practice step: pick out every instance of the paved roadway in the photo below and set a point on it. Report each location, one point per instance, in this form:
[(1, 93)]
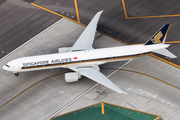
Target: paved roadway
[(20, 21), (131, 30), (51, 95)]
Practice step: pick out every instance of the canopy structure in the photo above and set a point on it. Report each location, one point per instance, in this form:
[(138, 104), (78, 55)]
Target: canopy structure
[(106, 111)]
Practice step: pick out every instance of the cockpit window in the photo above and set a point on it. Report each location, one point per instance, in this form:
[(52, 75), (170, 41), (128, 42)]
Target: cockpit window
[(7, 65)]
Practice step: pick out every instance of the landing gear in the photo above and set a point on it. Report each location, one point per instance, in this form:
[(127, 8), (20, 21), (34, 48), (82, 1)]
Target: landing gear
[(16, 74)]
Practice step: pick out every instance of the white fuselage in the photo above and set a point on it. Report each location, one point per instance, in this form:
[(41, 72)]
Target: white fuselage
[(87, 57)]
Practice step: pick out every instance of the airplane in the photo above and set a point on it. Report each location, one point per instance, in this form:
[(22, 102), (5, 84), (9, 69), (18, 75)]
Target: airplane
[(84, 60)]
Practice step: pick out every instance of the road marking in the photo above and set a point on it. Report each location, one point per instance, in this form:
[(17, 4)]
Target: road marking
[(107, 34), (77, 12), (152, 77), (31, 39), (102, 108), (172, 42), (55, 13), (165, 42), (81, 95), (147, 76), (4, 103), (75, 21), (124, 8), (157, 16), (71, 102), (160, 16), (165, 61), (50, 11), (157, 118)]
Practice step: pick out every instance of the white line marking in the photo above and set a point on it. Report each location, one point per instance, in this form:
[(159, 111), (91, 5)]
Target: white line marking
[(71, 102), (78, 97), (119, 68), (81, 95), (31, 39), (3, 102)]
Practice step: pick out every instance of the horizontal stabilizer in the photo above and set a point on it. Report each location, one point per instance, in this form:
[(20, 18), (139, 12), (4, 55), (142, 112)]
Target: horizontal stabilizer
[(165, 52)]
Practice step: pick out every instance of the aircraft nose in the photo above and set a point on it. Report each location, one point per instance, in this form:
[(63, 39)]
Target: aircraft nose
[(4, 67)]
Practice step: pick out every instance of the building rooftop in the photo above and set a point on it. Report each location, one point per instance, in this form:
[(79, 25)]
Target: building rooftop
[(106, 111)]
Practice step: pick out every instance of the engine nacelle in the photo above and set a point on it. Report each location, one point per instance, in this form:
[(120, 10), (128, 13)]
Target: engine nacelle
[(64, 49), (72, 77)]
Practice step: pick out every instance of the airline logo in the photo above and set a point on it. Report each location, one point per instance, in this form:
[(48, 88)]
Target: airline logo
[(36, 63), (47, 62), (157, 38)]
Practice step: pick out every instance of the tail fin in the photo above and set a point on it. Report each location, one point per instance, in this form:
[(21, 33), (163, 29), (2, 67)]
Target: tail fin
[(159, 36)]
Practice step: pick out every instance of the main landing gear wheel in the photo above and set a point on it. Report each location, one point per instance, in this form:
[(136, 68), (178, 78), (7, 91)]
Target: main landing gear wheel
[(16, 74)]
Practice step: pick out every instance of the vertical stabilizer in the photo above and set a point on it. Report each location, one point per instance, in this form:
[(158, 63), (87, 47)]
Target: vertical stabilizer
[(159, 36)]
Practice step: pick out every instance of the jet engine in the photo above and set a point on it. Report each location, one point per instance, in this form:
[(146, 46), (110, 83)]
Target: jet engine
[(72, 77)]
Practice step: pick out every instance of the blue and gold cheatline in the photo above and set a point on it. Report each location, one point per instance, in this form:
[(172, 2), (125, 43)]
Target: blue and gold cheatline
[(159, 36), (70, 62)]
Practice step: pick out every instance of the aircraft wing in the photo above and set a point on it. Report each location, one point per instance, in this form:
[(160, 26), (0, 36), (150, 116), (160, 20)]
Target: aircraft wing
[(97, 76), (85, 40)]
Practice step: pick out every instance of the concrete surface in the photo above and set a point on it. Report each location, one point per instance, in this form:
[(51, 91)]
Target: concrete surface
[(20, 20), (114, 23), (47, 97)]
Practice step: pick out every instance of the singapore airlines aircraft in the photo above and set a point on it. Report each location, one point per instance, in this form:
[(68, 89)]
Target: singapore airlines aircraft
[(84, 59)]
